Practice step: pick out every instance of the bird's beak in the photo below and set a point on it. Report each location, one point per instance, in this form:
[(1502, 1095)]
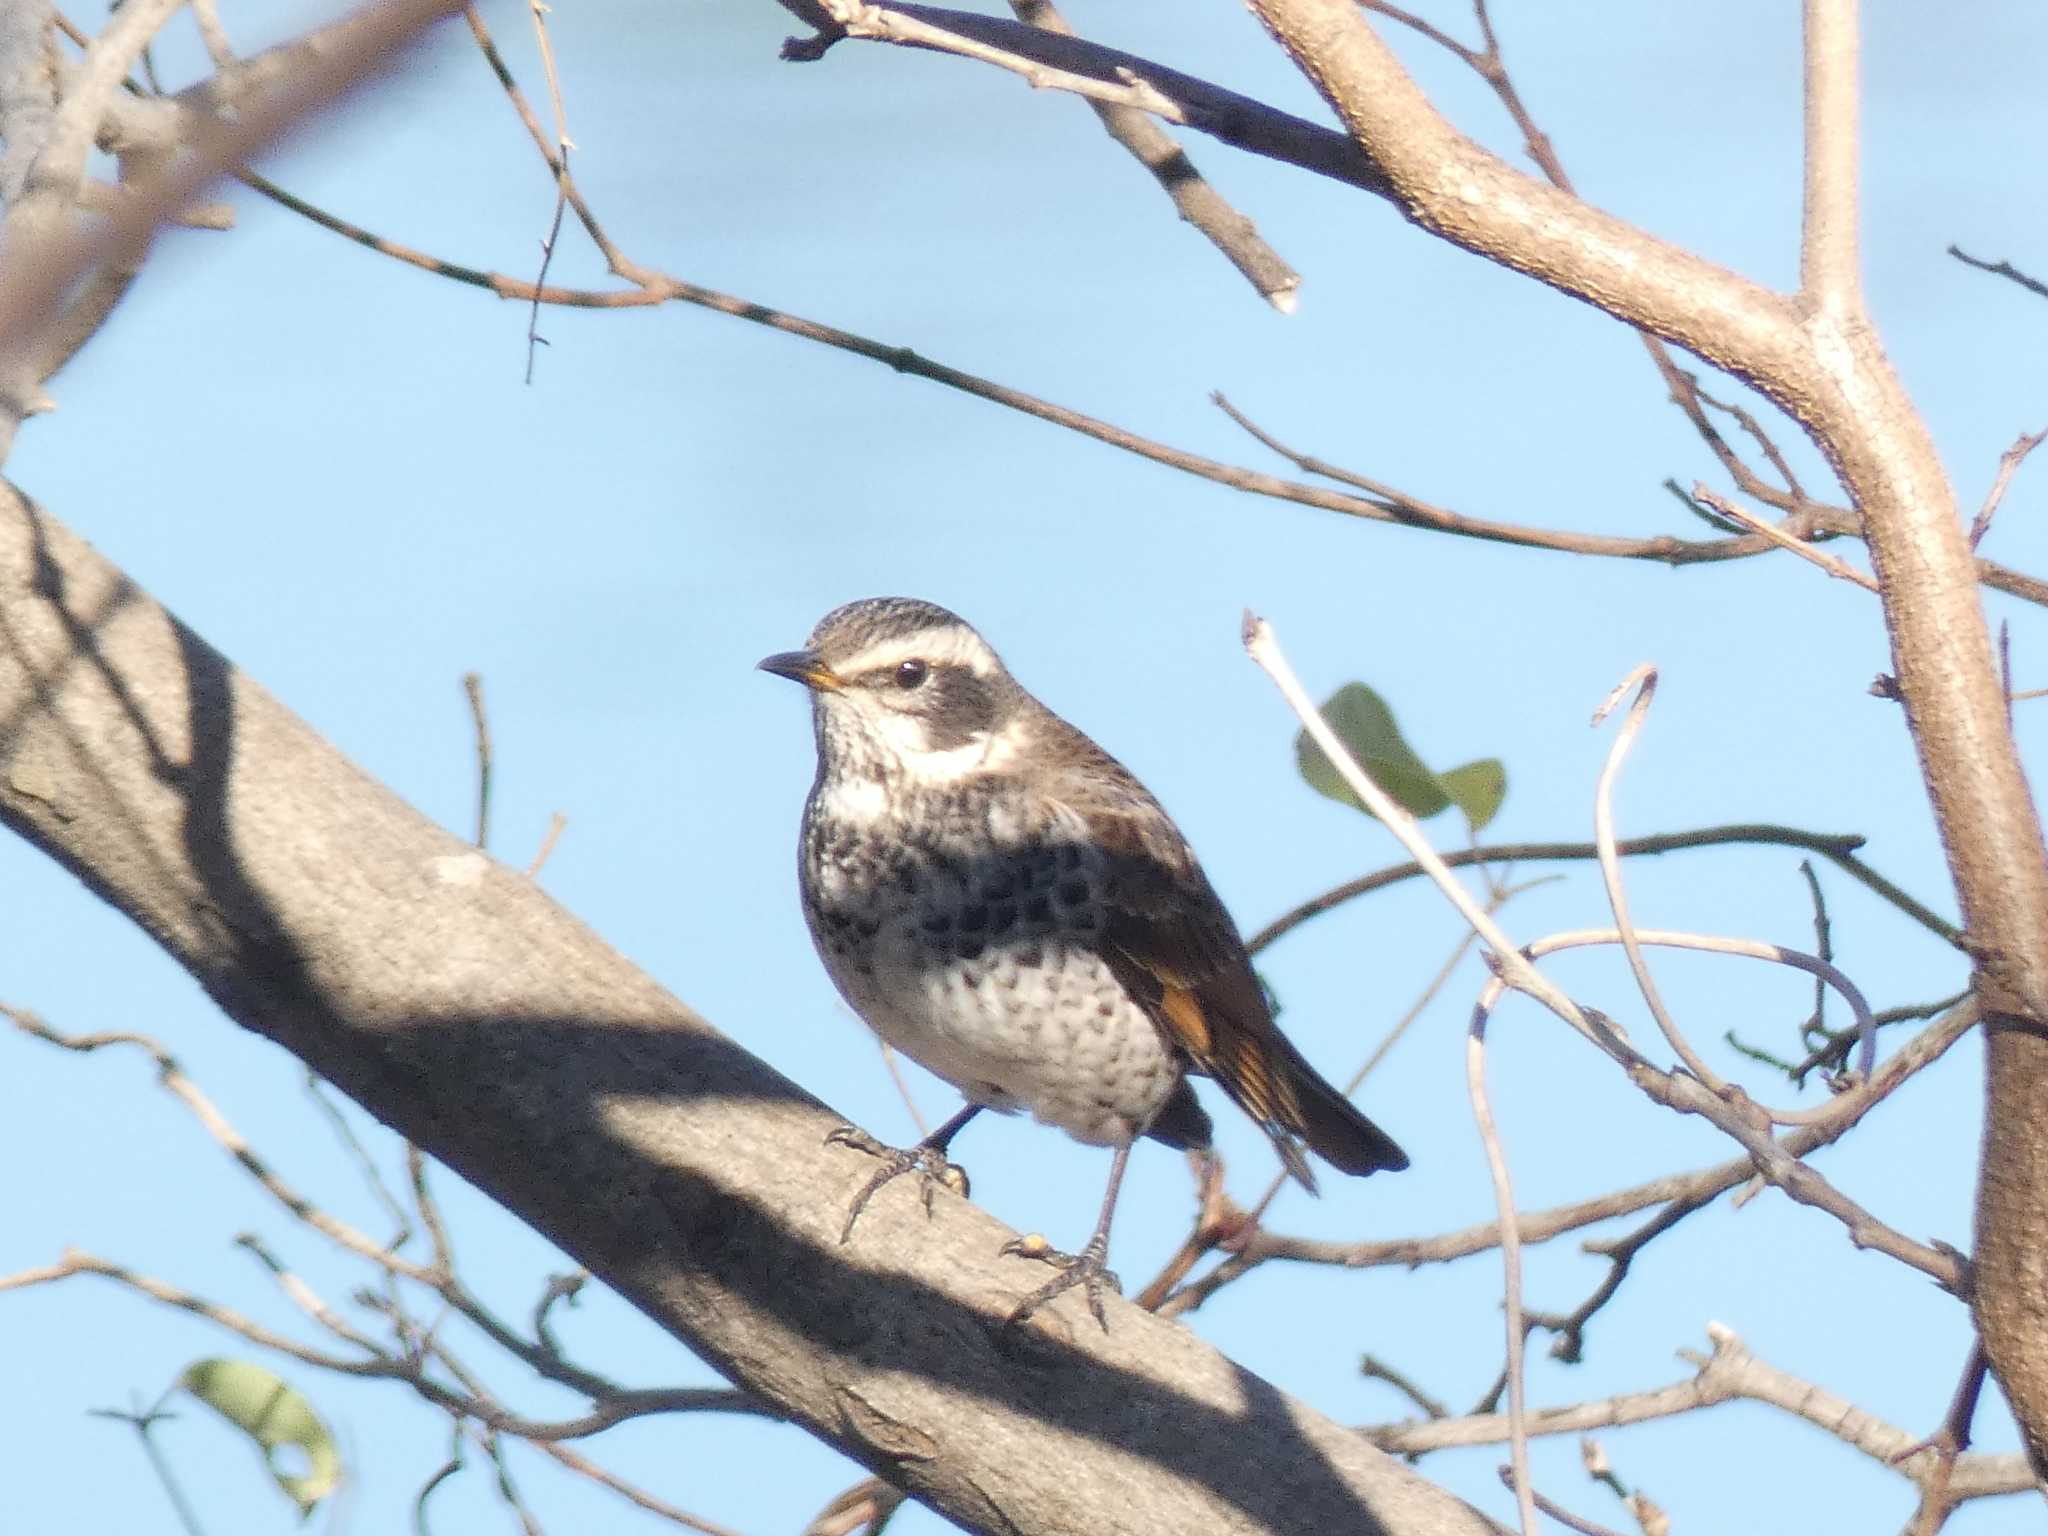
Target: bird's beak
[(803, 667)]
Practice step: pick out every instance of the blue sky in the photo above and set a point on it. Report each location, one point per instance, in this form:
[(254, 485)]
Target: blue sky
[(328, 464)]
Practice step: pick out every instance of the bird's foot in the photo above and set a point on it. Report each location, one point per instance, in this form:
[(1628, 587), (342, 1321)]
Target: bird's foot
[(1089, 1268), (929, 1163)]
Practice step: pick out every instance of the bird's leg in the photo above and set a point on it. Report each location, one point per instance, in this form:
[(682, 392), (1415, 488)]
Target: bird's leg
[(1088, 1268), (928, 1158)]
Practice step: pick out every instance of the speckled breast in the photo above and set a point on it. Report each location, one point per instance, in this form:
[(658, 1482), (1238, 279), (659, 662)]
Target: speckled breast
[(975, 955)]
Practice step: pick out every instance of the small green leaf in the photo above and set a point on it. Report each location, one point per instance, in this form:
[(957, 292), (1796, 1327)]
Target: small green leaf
[(1477, 789), (1363, 723), (259, 1403)]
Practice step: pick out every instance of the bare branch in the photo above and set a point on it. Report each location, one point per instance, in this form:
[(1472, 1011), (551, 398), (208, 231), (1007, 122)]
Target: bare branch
[(1387, 504), (1196, 199), (2003, 269), (614, 1403), (49, 255), (1510, 1249), (1052, 61), (73, 1262), (2009, 463), (1620, 1253), (1375, 1369), (54, 180), (1780, 537), (1840, 850), (583, 1466), (1644, 681), (866, 1506), (1553, 1509), (473, 690), (1541, 1226), (1730, 1373), (1937, 1501)]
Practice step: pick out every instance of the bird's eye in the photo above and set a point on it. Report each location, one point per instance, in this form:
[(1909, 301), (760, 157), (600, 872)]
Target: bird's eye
[(912, 673)]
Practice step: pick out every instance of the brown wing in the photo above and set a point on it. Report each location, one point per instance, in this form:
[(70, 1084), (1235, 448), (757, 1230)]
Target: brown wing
[(1170, 942)]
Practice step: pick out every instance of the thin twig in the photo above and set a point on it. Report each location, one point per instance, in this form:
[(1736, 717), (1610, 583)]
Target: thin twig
[(1263, 647), (1050, 61), (1749, 1122), (632, 1493), (1542, 1226), (655, 288), (1193, 196), (1510, 1247), (1220, 1222), (2002, 269), (508, 1491), (429, 1210), (373, 1176), (1831, 1054), (1777, 535), (1375, 1369), (1730, 1373), (1490, 64), (560, 166), (1553, 1509), (556, 822), (2009, 463), (613, 1402), (144, 1421), (1643, 680), (473, 690), (1823, 946), (1620, 1253), (1838, 849)]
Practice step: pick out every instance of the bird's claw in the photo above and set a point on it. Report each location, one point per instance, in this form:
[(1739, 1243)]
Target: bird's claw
[(1088, 1268), (929, 1163)]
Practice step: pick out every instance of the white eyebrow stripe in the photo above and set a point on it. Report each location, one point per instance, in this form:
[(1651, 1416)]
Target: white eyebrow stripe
[(953, 646)]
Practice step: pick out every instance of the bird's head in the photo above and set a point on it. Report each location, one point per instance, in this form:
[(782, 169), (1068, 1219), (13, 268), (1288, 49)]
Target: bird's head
[(903, 689)]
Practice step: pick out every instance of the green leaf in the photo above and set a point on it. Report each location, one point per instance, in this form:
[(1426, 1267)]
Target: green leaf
[(259, 1403), (1365, 724), (1477, 789)]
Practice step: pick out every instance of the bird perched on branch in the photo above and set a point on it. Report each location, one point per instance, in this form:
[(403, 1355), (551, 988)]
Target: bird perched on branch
[(1005, 904)]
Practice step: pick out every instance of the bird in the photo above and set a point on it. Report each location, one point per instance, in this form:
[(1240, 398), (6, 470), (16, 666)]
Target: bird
[(1006, 904)]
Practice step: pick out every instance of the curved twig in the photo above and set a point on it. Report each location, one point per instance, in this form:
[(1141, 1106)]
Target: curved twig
[(1837, 849), (1644, 681), (1510, 1247)]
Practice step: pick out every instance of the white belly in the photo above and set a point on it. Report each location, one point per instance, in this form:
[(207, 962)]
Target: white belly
[(1040, 1025)]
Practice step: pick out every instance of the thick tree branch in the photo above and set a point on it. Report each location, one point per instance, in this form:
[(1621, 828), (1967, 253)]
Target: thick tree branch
[(460, 1005), (1830, 270)]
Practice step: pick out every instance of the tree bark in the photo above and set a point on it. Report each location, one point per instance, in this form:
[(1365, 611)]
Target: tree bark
[(456, 1002)]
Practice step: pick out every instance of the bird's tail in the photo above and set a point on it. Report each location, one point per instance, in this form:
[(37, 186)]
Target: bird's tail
[(1314, 1112)]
